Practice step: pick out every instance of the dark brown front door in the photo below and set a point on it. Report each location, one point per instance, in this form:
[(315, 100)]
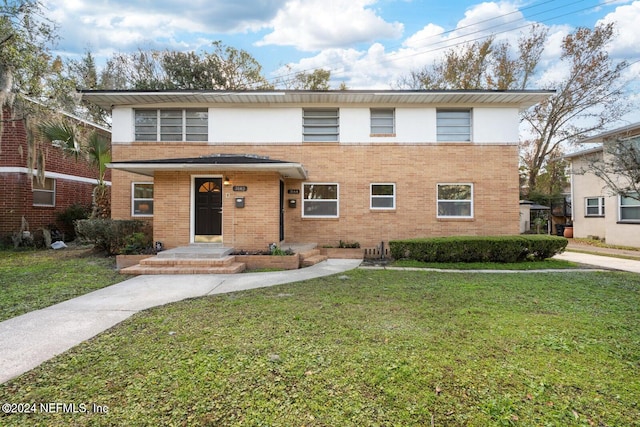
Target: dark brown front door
[(208, 209)]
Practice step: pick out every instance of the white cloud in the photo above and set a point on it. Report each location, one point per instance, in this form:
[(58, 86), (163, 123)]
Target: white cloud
[(311, 25), (626, 19), (122, 25)]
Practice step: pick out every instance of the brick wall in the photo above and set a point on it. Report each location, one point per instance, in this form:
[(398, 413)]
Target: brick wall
[(16, 194), (416, 169)]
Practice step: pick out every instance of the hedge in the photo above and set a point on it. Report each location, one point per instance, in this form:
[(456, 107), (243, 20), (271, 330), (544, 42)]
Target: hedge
[(109, 235), (479, 248)]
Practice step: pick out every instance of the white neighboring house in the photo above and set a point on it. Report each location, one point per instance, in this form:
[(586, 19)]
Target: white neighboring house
[(597, 211)]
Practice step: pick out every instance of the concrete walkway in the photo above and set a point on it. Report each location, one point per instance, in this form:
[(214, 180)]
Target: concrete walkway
[(601, 261), (28, 340)]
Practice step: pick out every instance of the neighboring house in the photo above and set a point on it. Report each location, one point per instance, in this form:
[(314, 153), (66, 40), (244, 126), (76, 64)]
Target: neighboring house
[(246, 169), (597, 212), (22, 195)]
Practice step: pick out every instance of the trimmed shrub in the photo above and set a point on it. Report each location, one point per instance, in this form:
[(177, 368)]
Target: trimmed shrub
[(479, 248), (110, 235), (68, 217)]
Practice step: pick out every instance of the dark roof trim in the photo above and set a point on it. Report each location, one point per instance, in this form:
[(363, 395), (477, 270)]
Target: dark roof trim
[(215, 162)]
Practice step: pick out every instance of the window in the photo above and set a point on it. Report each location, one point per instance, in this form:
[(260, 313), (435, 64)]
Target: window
[(142, 199), (383, 121), (383, 196), (594, 206), (44, 193), (320, 200), (629, 209), (453, 125), (171, 125), (455, 200), (320, 125)]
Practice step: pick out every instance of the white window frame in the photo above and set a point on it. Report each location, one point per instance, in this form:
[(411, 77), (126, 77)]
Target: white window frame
[(336, 200), (455, 132), (327, 126), (377, 196), (599, 206), (134, 199), (188, 131), (470, 201), (384, 115), (44, 190), (635, 205)]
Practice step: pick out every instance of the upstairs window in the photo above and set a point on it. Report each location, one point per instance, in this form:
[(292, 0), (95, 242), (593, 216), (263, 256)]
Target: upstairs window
[(383, 122), (142, 199), (629, 209), (594, 206), (455, 200), (453, 125), (172, 125), (320, 125), (44, 193)]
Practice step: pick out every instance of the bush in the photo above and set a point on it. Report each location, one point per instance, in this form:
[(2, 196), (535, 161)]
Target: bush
[(479, 249), (71, 214), (112, 236)]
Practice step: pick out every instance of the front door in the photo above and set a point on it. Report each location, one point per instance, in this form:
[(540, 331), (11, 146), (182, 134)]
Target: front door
[(208, 209)]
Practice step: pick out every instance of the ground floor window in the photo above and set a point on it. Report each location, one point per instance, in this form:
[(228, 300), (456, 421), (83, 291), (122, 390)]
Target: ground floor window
[(629, 209), (594, 206), (321, 200), (142, 199), (383, 196), (44, 193), (455, 200)]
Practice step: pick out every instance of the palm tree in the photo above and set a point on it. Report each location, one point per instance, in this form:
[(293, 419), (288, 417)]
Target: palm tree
[(94, 147)]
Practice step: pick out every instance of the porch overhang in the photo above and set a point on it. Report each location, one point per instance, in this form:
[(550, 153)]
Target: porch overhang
[(218, 163)]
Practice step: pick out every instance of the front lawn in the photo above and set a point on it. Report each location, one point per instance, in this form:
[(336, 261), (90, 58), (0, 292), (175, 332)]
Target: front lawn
[(366, 348), (31, 280)]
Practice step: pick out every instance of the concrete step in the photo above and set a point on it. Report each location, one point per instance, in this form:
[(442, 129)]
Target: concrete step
[(312, 260), (233, 268), (195, 251), (192, 262)]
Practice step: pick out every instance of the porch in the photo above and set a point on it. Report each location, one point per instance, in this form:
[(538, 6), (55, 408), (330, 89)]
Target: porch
[(208, 258)]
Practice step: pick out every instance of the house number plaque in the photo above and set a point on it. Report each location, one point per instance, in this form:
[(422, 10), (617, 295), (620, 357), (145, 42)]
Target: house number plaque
[(293, 191), (239, 188)]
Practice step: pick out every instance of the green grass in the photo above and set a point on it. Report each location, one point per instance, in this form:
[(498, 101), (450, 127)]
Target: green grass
[(537, 265), (366, 348), (31, 280)]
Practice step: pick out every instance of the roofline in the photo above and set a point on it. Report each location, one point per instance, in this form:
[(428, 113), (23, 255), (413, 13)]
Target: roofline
[(521, 98), (583, 152), (604, 135), (69, 115)]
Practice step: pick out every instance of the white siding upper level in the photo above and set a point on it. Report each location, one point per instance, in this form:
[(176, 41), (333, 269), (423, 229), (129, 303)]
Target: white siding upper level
[(283, 124)]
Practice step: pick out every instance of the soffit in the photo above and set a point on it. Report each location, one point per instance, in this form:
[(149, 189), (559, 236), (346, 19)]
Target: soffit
[(520, 99)]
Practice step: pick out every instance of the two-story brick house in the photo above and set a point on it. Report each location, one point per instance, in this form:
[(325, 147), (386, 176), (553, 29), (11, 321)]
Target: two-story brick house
[(246, 169), (66, 181)]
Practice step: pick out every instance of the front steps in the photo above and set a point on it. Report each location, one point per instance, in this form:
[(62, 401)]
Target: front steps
[(208, 259), (311, 257), (160, 265)]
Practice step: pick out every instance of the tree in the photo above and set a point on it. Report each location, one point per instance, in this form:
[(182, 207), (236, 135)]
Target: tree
[(226, 68), (482, 65), (26, 72), (84, 74), (619, 166), (316, 80), (586, 101), (79, 142)]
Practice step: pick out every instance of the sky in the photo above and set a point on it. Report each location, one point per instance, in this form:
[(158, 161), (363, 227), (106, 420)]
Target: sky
[(367, 44)]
